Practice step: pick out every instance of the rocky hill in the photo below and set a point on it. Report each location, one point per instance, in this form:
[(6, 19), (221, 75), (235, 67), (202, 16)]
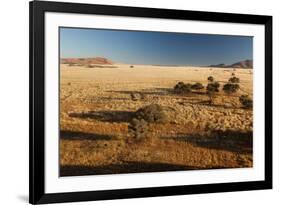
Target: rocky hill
[(87, 61), (240, 64)]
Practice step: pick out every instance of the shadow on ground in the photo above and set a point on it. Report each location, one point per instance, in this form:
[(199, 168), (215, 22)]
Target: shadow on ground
[(72, 135), (105, 116), (128, 167), (234, 141), (155, 91)]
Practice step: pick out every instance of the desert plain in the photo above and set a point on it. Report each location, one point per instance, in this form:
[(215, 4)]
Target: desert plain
[(97, 105)]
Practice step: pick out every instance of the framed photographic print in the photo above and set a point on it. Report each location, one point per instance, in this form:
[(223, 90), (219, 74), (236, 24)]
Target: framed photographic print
[(140, 102)]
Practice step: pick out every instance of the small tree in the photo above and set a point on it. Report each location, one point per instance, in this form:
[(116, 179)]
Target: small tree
[(246, 101), (211, 79), (212, 89), (197, 86), (231, 88)]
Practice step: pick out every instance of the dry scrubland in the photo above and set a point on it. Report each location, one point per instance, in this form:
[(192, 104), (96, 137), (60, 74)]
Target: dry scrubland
[(96, 109)]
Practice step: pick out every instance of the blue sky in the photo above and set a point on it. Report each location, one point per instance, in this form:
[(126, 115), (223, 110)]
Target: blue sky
[(139, 47)]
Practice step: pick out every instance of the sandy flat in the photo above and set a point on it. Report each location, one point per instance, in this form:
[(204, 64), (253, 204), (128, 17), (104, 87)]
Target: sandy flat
[(98, 101)]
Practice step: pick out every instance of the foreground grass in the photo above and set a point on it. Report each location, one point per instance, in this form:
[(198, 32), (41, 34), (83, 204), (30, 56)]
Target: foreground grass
[(91, 153)]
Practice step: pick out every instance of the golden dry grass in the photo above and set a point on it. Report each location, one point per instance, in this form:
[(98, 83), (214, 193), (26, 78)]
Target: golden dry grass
[(96, 108)]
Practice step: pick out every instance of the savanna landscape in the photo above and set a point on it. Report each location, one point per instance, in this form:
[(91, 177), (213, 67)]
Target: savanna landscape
[(126, 118), (147, 101)]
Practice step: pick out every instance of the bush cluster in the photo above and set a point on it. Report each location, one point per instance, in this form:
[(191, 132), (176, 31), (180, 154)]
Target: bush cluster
[(246, 101), (234, 80), (182, 88), (213, 87), (231, 88), (139, 125), (211, 79), (197, 86), (138, 128), (153, 113)]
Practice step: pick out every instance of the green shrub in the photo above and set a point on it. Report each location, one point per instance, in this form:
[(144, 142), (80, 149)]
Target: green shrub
[(182, 88), (246, 101), (213, 87), (231, 88), (197, 86), (153, 113), (211, 79), (138, 128), (234, 80)]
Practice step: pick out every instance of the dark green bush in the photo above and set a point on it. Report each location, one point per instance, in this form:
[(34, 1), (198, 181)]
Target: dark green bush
[(246, 101), (153, 113), (234, 80), (231, 88), (197, 86), (182, 88), (213, 87), (211, 79)]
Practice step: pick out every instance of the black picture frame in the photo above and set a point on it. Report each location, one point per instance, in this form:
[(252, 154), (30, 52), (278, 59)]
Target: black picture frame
[(37, 194)]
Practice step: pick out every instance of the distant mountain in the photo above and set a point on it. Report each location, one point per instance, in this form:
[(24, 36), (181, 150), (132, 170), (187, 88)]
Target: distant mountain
[(240, 64), (243, 64), (221, 65), (87, 61)]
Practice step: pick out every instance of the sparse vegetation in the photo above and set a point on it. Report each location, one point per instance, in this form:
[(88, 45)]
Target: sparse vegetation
[(138, 128), (153, 113), (108, 127), (182, 88), (234, 80), (137, 96), (246, 101), (211, 79), (230, 88), (197, 86)]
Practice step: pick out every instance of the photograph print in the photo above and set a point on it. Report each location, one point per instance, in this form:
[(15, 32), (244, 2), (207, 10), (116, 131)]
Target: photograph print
[(145, 101)]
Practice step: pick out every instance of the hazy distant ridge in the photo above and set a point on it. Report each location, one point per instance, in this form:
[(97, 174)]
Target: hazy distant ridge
[(240, 64), (87, 61)]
